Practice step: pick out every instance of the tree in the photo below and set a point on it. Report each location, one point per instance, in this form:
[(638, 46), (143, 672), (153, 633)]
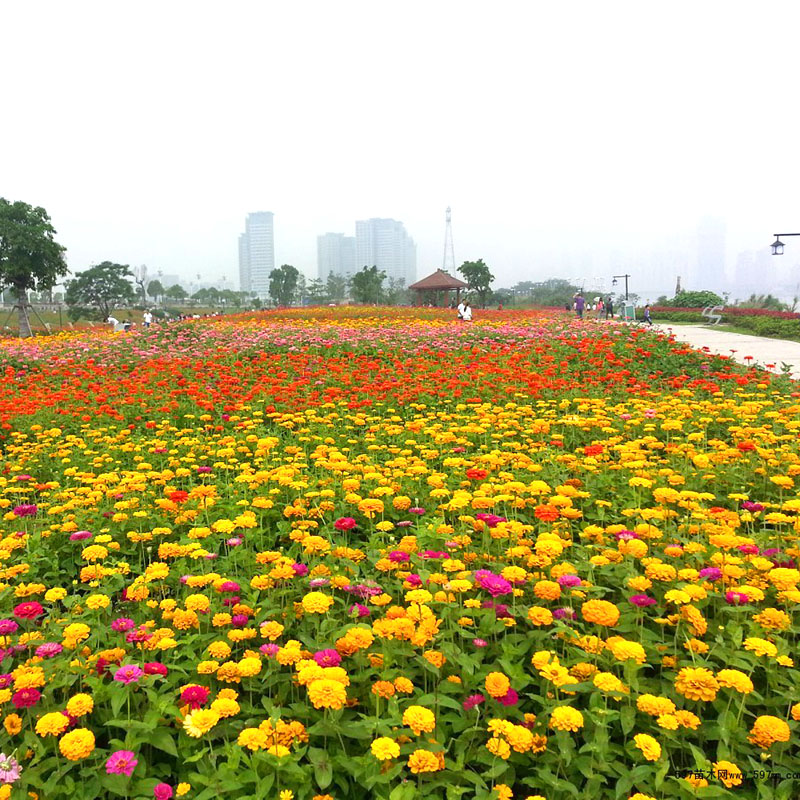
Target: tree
[(479, 278), (30, 258), (552, 292), (316, 292), (336, 288), (155, 289), (396, 293), (699, 299), (368, 285), (95, 291), (283, 284), (176, 292), (140, 279)]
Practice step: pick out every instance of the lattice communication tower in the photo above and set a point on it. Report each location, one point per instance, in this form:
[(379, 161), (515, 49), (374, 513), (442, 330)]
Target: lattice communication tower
[(449, 260)]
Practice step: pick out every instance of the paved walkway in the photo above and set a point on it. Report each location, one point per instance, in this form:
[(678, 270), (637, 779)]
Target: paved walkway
[(769, 353)]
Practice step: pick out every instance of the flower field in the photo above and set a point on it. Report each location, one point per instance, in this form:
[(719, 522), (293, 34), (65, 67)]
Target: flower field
[(345, 553)]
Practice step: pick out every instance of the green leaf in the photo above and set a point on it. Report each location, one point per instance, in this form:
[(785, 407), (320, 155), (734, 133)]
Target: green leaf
[(405, 791), (627, 718), (162, 740)]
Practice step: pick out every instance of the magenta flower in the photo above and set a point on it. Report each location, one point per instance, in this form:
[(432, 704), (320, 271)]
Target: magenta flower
[(25, 698), (327, 658), (269, 650), (642, 600), (130, 673), (8, 626), (359, 610), (569, 581), (195, 696), (230, 586), (26, 510), (564, 613), (494, 584), (472, 701), (155, 668), (79, 536), (711, 573), (510, 698), (29, 610), (480, 642), (48, 650), (301, 570), (736, 598), (122, 762), (416, 510), (399, 556), (162, 791), (122, 624), (345, 524)]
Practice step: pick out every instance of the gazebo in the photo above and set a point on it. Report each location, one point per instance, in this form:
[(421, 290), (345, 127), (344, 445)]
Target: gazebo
[(437, 283)]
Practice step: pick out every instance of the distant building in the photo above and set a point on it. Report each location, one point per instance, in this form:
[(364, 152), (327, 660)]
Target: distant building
[(336, 255), (256, 254), (710, 268), (385, 244)]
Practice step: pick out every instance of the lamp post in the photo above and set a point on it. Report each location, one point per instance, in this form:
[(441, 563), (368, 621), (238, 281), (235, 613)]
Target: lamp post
[(777, 245), (614, 283)]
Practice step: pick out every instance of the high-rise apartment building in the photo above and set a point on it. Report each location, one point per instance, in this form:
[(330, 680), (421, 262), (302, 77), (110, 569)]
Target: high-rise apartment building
[(711, 256), (336, 255), (385, 244), (256, 254)]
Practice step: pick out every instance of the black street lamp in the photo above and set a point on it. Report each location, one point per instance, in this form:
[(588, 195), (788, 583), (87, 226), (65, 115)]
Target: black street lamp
[(777, 245), (614, 283)]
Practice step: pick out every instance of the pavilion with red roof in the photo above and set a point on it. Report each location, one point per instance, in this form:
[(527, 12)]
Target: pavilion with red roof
[(436, 284)]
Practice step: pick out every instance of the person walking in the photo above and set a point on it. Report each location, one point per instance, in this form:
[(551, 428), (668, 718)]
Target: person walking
[(647, 315), (609, 308), (580, 304), (147, 318), (599, 308)]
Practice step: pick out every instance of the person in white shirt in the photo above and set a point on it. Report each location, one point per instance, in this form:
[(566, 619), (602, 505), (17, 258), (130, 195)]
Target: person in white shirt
[(466, 315), (115, 323), (460, 310), (147, 318)]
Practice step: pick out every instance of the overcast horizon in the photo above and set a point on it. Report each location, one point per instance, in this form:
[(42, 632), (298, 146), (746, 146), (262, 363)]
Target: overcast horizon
[(567, 138)]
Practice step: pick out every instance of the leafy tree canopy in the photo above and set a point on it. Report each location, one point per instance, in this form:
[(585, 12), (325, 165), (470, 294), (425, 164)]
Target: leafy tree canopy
[(479, 278), (283, 284), (367, 285), (699, 299), (155, 289), (30, 258), (95, 291)]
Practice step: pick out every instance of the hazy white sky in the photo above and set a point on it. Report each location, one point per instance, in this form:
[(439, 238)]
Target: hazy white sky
[(149, 129)]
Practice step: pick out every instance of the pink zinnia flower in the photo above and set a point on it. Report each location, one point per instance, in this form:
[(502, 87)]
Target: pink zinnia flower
[(162, 791), (195, 696), (736, 598), (230, 586), (510, 698), (79, 536), (480, 642), (359, 610), (26, 510), (269, 650), (122, 762), (155, 668), (29, 610), (122, 624), (8, 626), (130, 673), (642, 600), (9, 769), (344, 524), (25, 698), (48, 650), (327, 658), (472, 701)]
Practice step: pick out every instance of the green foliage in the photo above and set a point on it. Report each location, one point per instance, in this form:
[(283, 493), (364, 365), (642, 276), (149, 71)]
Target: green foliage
[(695, 300), (479, 278), (554, 292), (176, 292), (30, 258), (367, 285), (98, 289), (763, 301), (155, 289), (335, 288), (283, 284)]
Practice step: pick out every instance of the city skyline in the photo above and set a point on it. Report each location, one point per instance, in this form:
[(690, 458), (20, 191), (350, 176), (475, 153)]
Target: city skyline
[(596, 154)]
